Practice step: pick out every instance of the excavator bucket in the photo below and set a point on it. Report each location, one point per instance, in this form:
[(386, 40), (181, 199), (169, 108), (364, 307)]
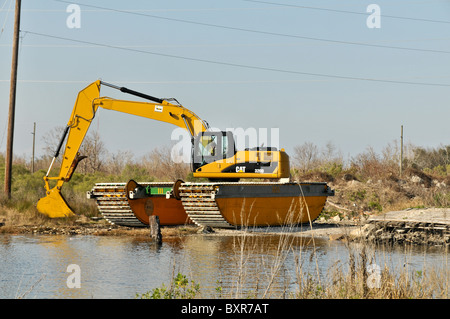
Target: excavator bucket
[(53, 205)]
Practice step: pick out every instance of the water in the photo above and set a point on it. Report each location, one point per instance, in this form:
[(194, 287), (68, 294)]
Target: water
[(35, 266)]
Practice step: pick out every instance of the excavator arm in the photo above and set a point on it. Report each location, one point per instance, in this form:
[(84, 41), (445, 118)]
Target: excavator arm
[(86, 106)]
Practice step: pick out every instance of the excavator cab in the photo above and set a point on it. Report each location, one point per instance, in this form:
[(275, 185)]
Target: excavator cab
[(212, 146), (214, 156)]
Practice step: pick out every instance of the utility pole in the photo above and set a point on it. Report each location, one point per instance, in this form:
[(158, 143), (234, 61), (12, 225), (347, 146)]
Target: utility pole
[(12, 101), (401, 151), (32, 156)]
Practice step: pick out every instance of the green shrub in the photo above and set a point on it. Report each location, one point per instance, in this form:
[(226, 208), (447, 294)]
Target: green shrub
[(180, 288), (358, 195)]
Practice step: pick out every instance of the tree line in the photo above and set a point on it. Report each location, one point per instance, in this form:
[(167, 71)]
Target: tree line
[(306, 159)]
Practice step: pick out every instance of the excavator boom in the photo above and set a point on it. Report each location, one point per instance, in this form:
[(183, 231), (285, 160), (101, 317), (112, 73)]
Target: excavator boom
[(53, 204), (83, 113)]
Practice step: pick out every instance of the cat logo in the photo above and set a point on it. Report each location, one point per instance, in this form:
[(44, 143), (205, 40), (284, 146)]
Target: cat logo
[(240, 169)]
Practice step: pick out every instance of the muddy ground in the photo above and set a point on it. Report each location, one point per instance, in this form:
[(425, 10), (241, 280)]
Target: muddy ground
[(430, 226)]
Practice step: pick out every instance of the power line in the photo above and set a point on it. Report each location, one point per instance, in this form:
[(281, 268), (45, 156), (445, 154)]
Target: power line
[(346, 11), (169, 46), (237, 64), (168, 81), (260, 31), (6, 17)]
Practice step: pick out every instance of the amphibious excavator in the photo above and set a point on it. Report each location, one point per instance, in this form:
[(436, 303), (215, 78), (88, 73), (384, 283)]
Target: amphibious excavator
[(224, 201)]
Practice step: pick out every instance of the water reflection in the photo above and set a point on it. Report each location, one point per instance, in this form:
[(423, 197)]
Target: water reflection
[(231, 266)]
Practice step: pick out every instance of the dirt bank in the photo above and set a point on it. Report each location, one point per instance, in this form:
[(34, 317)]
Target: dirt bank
[(323, 230), (95, 228), (426, 226), (430, 226)]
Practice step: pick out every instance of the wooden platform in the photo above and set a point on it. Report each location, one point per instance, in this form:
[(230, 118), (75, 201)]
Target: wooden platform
[(416, 215), (425, 225)]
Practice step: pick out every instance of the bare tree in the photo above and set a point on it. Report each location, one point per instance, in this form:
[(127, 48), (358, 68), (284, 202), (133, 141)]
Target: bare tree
[(305, 156), (116, 162), (431, 157), (159, 163), (94, 148), (51, 139)]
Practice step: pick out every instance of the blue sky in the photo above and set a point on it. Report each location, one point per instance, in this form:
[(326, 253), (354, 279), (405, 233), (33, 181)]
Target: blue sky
[(299, 66)]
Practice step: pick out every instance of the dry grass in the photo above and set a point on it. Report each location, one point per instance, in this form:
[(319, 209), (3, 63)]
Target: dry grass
[(372, 182), (286, 266), (263, 269), (354, 198), (15, 214)]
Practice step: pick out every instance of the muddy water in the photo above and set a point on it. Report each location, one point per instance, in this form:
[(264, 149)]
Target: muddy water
[(36, 266)]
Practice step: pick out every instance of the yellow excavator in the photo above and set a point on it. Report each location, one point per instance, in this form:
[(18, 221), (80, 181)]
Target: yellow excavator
[(214, 156)]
